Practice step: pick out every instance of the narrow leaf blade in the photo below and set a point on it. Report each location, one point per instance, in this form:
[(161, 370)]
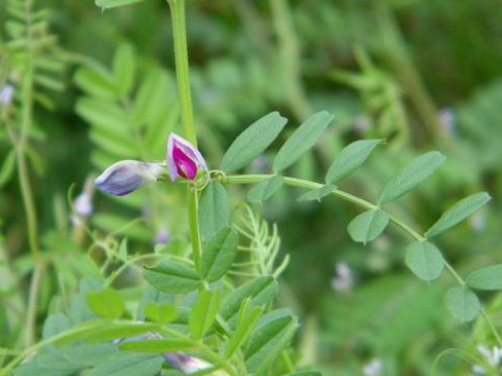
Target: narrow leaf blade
[(214, 209), (456, 214), (219, 254), (489, 278), (252, 142), (411, 176), (172, 277), (350, 158), (265, 189), (302, 140)]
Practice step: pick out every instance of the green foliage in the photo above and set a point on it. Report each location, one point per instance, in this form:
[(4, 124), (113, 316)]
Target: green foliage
[(214, 209), (458, 213), (219, 254), (106, 303), (272, 334), (350, 158), (368, 226), (252, 142), (317, 194), (172, 277), (204, 312), (489, 278), (302, 140), (462, 303), (411, 176), (265, 189), (106, 4), (425, 260)]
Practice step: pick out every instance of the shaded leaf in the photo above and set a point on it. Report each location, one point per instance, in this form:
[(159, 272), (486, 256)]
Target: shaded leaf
[(317, 194), (204, 312), (106, 303)]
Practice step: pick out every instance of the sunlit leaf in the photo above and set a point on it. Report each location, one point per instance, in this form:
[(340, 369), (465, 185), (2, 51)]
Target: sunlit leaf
[(411, 176), (350, 158), (302, 140), (425, 260), (252, 142), (456, 214), (368, 225)]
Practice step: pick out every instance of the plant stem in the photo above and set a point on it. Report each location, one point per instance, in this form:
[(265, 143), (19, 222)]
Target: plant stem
[(300, 183), (187, 118)]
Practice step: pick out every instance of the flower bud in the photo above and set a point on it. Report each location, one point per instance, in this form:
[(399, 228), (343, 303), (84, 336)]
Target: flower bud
[(126, 176), (183, 159)]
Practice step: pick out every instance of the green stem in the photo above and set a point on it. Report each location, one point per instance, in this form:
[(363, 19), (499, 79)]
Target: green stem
[(300, 183), (187, 118)]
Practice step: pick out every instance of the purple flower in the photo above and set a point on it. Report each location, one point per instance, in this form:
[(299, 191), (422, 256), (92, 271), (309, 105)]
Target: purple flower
[(126, 176), (6, 94), (162, 236), (188, 364), (183, 159)]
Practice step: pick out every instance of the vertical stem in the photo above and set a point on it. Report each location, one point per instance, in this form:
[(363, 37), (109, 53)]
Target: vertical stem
[(182, 68), (290, 56), (24, 181), (187, 118)]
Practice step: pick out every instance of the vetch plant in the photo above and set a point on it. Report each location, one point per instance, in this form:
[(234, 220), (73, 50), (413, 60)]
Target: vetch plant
[(211, 311)]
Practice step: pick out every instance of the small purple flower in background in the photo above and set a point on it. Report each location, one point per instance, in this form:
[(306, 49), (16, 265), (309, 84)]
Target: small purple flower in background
[(6, 94), (163, 236), (125, 177), (448, 120), (344, 280), (373, 368), (188, 364), (183, 159), (493, 357)]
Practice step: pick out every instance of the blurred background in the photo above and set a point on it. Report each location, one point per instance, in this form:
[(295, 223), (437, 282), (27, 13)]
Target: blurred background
[(424, 75)]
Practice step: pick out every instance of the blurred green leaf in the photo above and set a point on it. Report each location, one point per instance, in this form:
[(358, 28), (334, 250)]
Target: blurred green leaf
[(161, 313), (252, 142), (214, 209), (425, 260), (456, 214), (219, 254), (172, 277), (55, 324), (97, 82), (302, 140), (106, 303), (124, 67), (204, 312), (265, 189), (157, 346), (126, 364), (411, 176), (317, 194), (368, 225), (350, 158), (462, 303), (489, 278), (107, 4)]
